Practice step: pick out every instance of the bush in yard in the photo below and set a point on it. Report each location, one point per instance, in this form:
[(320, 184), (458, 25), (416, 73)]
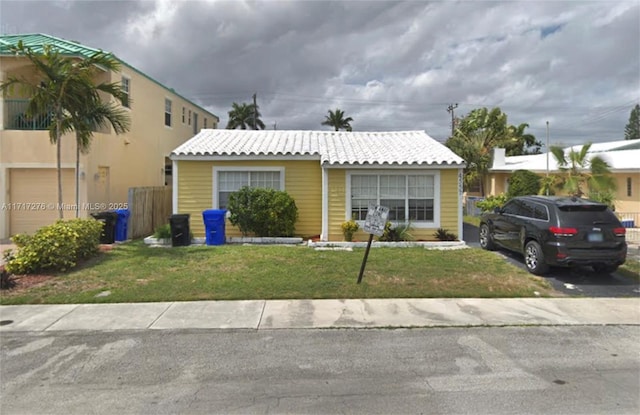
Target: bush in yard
[(399, 232), (55, 247), (523, 183), (492, 202), (163, 232), (264, 212), (444, 235)]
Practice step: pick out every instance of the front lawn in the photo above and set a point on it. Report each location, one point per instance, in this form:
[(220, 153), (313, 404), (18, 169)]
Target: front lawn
[(134, 272)]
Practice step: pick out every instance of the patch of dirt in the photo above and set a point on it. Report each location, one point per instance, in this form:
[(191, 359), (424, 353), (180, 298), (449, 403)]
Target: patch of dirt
[(24, 283)]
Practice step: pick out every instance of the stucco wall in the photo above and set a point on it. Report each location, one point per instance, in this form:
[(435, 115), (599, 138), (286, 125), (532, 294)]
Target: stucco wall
[(133, 159)]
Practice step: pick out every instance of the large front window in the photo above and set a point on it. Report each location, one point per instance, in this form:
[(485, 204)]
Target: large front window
[(232, 181), (409, 197)]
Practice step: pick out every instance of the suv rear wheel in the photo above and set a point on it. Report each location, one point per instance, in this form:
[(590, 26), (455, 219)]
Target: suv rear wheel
[(604, 269), (534, 258), (485, 238)]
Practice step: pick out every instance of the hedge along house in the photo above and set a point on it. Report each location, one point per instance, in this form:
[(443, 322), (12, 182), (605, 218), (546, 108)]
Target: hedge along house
[(332, 176)]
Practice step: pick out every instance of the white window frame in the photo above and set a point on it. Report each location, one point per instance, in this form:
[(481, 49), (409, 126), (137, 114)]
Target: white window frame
[(127, 90), (170, 112), (416, 224), (248, 169)]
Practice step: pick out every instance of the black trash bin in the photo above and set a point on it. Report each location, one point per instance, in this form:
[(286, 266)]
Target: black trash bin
[(180, 232), (109, 219)]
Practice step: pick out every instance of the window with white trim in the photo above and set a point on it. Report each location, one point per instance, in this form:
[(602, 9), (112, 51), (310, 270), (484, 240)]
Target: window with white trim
[(409, 197), (126, 90), (167, 112), (232, 181)]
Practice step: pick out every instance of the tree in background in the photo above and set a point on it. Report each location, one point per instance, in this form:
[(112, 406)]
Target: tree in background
[(632, 130), (64, 89), (337, 120), (242, 116), (583, 176), (523, 183), (482, 130), (92, 117)]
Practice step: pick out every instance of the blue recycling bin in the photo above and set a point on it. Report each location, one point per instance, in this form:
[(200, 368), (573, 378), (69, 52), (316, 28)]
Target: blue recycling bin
[(214, 222), (122, 224)]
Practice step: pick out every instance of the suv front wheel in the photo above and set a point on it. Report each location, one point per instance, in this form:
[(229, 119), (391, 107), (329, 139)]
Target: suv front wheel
[(485, 238), (534, 258)]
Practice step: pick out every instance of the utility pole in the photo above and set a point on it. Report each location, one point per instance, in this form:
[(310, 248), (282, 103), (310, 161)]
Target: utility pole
[(255, 110), (451, 109)]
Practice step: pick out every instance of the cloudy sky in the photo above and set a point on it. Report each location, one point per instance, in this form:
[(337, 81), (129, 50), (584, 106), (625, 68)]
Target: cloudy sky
[(389, 65)]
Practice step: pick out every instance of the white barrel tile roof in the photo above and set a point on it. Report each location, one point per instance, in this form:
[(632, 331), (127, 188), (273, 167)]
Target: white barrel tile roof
[(333, 148)]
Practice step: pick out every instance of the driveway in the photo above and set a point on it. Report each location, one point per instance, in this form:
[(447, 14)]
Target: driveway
[(579, 281)]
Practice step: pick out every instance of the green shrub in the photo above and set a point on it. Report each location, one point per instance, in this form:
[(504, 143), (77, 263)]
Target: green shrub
[(444, 235), (89, 231), (399, 232), (349, 228), (523, 183), (492, 202), (55, 247), (264, 212), (163, 232)]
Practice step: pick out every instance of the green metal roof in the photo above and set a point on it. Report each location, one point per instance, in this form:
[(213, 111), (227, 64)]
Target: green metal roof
[(36, 42)]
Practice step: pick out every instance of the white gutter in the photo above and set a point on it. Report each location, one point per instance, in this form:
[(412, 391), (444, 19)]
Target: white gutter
[(174, 182)]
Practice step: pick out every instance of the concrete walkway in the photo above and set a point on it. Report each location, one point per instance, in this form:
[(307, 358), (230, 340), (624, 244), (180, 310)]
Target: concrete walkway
[(308, 314)]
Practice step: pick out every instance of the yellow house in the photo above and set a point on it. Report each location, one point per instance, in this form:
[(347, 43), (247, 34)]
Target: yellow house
[(332, 176), (623, 158), (161, 119)]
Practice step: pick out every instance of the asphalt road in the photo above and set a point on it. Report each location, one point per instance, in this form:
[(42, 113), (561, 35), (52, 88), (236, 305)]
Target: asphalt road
[(579, 281), (516, 370)]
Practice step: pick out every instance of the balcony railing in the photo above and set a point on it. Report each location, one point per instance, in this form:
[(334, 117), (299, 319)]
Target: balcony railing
[(15, 116)]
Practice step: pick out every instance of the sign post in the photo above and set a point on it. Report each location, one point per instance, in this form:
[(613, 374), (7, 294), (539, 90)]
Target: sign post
[(374, 223)]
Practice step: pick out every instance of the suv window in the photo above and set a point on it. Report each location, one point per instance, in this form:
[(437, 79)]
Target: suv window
[(512, 208), (573, 215), (535, 210)]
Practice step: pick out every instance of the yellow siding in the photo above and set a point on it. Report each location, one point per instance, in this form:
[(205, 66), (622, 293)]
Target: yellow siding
[(303, 181), (449, 206), (337, 206)]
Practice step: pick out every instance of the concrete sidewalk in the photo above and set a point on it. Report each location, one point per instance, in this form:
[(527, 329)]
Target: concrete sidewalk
[(305, 314)]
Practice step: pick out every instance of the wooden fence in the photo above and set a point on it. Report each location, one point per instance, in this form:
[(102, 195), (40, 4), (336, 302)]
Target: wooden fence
[(149, 208)]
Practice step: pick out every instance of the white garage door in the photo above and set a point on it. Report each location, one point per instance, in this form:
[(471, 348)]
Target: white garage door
[(33, 197)]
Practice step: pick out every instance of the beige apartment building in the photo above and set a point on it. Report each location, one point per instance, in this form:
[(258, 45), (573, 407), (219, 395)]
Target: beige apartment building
[(161, 120)]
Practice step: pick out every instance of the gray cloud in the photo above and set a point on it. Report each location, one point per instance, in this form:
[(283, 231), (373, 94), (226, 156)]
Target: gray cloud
[(389, 65)]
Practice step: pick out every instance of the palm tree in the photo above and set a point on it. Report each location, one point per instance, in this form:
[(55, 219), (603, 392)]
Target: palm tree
[(90, 118), (243, 115), (580, 176), (65, 87), (336, 120)]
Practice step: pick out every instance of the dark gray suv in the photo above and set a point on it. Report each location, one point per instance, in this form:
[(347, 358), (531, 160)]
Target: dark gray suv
[(556, 231)]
